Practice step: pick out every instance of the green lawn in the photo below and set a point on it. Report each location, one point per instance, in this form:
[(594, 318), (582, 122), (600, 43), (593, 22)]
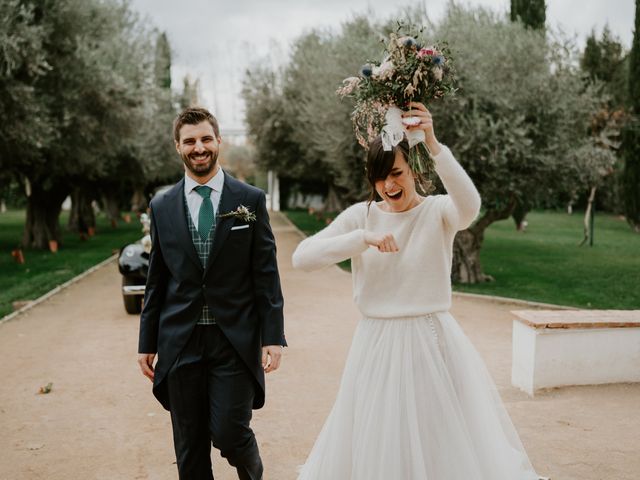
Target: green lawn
[(309, 224), (545, 263), (42, 270)]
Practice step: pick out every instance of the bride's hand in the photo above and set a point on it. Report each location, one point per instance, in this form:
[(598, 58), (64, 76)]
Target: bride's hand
[(418, 110), (384, 242)]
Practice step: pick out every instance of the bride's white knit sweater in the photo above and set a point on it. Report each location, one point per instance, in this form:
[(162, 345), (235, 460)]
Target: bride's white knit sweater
[(416, 280)]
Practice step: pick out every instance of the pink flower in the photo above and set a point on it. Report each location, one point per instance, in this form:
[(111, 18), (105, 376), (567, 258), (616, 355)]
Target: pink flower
[(425, 51)]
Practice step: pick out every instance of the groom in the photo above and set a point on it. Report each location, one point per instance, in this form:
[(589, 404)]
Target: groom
[(213, 306)]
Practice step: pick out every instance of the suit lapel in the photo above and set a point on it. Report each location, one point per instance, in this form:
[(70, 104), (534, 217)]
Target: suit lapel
[(181, 226), (230, 199)]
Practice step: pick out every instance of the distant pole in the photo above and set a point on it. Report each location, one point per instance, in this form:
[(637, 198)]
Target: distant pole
[(270, 189), (276, 194), (273, 191)]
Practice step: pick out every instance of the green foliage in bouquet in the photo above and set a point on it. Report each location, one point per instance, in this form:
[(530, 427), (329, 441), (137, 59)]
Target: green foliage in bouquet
[(409, 72)]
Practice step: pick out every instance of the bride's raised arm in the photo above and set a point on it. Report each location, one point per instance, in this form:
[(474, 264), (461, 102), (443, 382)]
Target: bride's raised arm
[(462, 205)]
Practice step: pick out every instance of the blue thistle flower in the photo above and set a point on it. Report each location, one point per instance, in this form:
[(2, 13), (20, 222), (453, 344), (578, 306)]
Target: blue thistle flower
[(366, 70), (409, 42), (439, 60)]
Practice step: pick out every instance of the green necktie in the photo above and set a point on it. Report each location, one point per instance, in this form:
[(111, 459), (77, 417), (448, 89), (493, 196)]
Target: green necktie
[(205, 214)]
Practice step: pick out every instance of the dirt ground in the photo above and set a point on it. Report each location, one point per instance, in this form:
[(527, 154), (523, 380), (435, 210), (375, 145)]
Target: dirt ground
[(100, 420)]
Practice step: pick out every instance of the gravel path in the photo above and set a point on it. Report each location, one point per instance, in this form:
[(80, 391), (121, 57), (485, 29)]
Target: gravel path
[(100, 420)]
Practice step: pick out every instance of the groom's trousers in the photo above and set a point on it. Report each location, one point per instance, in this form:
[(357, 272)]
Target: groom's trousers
[(211, 394)]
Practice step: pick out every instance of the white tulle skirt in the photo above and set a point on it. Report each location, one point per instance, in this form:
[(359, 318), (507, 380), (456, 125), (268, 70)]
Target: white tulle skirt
[(416, 402)]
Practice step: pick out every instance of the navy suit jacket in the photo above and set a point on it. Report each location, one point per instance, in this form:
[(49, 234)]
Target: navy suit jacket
[(240, 283)]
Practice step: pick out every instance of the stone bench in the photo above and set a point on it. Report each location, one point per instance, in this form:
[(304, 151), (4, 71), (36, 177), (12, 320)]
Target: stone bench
[(552, 348)]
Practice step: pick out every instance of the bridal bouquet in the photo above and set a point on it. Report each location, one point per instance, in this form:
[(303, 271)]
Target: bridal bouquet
[(409, 72)]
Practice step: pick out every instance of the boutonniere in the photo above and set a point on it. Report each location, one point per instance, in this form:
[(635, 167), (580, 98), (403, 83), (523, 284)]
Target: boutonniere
[(242, 212)]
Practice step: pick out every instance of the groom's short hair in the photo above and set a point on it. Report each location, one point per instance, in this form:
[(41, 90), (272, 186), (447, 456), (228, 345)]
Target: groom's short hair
[(194, 116)]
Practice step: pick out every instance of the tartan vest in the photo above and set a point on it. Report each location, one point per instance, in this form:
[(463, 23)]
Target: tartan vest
[(203, 249)]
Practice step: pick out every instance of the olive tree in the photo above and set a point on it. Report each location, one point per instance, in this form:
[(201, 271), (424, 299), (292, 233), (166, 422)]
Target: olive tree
[(77, 81), (521, 115)]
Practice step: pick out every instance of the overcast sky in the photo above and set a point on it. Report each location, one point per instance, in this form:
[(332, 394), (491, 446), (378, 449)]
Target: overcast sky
[(216, 40)]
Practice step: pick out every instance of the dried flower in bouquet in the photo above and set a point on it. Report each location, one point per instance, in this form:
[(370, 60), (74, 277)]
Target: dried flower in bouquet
[(409, 72)]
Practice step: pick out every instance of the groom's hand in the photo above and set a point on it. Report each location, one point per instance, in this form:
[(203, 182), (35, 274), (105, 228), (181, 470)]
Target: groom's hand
[(271, 356), (145, 360)]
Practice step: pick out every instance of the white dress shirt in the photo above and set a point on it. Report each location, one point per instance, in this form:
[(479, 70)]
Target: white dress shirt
[(194, 200)]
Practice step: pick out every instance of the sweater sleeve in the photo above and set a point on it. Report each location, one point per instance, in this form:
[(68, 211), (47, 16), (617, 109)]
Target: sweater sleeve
[(341, 239), (462, 204)]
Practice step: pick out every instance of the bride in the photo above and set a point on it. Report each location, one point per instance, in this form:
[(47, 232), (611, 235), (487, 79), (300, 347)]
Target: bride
[(415, 401)]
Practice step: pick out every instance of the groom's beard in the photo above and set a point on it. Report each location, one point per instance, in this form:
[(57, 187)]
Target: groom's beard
[(200, 168)]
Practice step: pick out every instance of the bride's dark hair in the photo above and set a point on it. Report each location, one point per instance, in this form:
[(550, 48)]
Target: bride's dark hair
[(380, 163)]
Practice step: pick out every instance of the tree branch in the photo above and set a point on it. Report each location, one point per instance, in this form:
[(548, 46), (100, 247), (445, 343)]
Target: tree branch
[(493, 215)]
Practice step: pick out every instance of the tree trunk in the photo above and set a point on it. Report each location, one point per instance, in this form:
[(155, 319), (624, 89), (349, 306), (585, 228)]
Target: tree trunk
[(138, 200), (466, 267), (82, 219), (111, 208), (588, 218), (520, 214), (43, 214), (333, 202)]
